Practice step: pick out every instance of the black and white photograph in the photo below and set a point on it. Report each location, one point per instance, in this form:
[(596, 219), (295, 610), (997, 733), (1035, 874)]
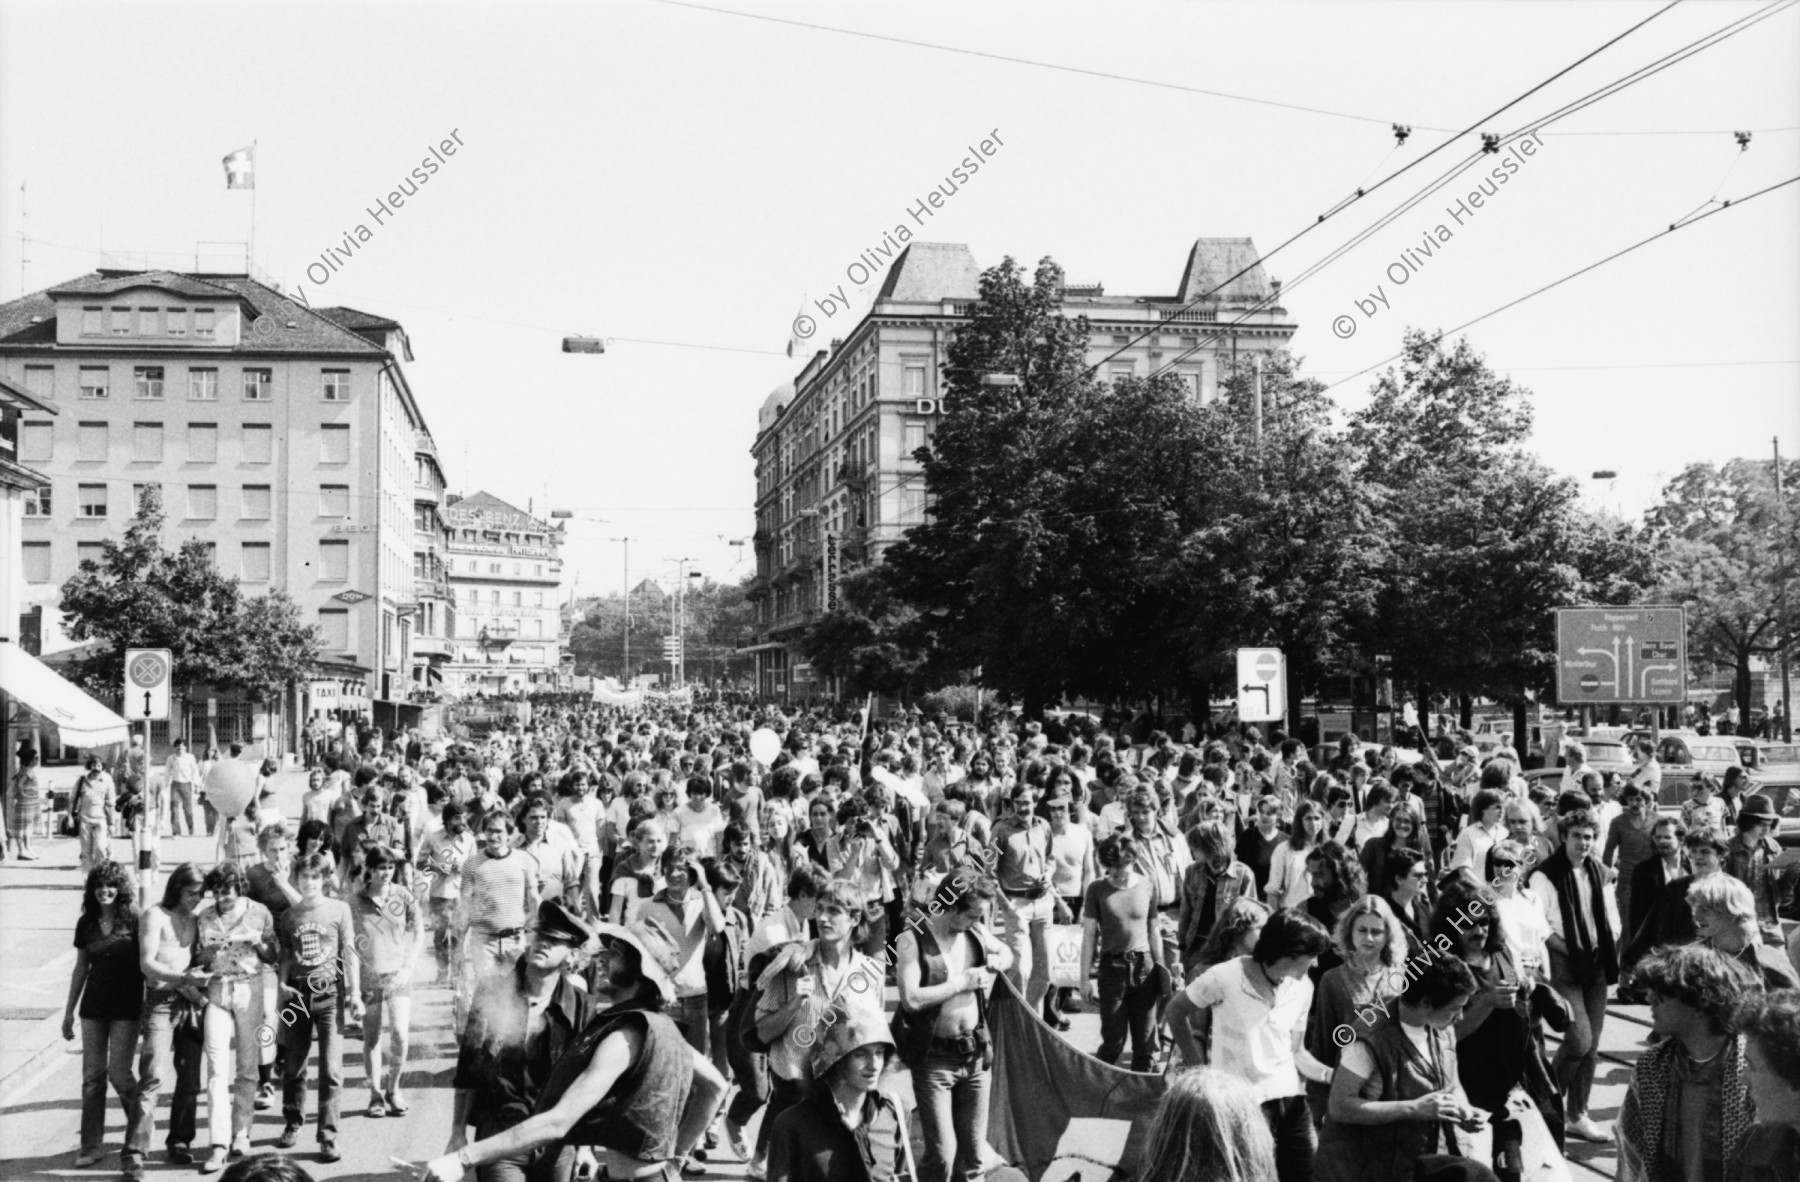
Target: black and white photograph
[(899, 591)]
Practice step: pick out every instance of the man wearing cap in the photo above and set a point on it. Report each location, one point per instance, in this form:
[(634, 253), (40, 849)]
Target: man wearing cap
[(845, 1129), (1749, 856), (628, 1085), (521, 1022)]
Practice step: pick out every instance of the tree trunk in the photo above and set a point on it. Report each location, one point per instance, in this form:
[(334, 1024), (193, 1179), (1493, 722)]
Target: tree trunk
[(1740, 688), (1521, 729), (1465, 706), (1423, 693), (1292, 705)]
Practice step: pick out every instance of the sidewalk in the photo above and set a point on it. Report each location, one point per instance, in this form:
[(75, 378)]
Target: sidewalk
[(39, 903)]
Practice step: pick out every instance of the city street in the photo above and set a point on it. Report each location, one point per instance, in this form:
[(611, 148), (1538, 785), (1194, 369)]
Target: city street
[(40, 1074)]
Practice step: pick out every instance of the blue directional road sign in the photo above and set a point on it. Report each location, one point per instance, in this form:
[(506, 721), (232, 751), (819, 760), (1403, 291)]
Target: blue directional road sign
[(1621, 654)]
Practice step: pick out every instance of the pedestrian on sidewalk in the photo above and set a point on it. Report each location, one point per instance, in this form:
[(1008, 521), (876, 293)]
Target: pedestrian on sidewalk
[(319, 966), (108, 987), (237, 940), (182, 771), (170, 1028), (93, 809), (388, 934), (25, 802)]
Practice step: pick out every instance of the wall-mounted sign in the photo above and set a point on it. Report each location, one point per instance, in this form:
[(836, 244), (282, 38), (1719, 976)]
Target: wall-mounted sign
[(925, 406), (350, 596)]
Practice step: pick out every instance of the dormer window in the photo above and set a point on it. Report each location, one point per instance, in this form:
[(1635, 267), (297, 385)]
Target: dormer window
[(203, 322), (93, 321), (121, 322), (147, 322)]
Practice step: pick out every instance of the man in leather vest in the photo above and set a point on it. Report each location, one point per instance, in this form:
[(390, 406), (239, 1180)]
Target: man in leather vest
[(629, 1086)]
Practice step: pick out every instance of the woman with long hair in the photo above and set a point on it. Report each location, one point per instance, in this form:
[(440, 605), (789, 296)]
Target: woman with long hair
[(1402, 833), (315, 838), (1337, 882), (1208, 1129), (1289, 884), (107, 989), (1357, 993)]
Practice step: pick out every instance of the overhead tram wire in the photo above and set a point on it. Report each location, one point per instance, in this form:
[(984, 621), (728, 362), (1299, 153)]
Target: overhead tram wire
[(1361, 193), (1649, 70), (1618, 254)]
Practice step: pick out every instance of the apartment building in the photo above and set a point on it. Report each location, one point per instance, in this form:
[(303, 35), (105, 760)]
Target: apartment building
[(504, 580)]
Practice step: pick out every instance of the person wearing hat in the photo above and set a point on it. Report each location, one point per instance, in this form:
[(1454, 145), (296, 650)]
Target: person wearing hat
[(521, 1022), (845, 1129), (1749, 857), (628, 1085)]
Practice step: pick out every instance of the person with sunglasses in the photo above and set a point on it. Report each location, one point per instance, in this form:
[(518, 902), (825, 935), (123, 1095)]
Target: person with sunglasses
[(523, 1019)]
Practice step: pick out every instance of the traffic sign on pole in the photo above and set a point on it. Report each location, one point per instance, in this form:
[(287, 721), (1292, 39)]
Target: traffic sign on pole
[(148, 672), (1262, 685), (1626, 655)]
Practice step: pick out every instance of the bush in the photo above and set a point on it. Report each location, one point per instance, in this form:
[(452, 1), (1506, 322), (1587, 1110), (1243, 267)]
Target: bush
[(953, 701)]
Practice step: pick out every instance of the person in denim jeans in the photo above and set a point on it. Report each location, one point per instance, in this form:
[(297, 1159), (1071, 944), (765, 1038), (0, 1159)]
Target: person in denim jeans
[(948, 962), (169, 1030), (1120, 922), (237, 940), (109, 986), (318, 956)]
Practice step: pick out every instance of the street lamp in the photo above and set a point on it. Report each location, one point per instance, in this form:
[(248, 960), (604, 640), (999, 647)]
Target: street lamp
[(583, 345)]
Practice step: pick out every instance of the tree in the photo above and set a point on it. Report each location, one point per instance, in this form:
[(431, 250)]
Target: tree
[(872, 641), (140, 595), (1725, 548), (1483, 540)]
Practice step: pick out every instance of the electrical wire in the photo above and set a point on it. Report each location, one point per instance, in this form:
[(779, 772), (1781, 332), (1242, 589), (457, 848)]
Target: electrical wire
[(1442, 333), (1641, 73)]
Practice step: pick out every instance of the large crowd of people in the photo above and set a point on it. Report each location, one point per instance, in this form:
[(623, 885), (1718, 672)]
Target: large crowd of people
[(663, 921)]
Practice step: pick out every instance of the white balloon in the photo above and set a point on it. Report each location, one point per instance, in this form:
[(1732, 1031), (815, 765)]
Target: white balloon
[(230, 785), (765, 745)]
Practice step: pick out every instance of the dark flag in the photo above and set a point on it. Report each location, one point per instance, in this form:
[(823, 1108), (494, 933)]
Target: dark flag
[(1054, 1104)]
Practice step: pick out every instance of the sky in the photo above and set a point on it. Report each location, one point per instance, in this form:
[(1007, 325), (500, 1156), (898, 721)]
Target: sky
[(682, 179)]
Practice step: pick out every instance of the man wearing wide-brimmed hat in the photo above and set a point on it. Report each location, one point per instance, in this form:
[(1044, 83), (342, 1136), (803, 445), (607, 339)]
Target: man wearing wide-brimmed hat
[(629, 1085), (845, 1129)]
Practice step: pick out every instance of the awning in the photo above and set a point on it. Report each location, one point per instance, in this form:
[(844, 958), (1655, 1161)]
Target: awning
[(81, 721)]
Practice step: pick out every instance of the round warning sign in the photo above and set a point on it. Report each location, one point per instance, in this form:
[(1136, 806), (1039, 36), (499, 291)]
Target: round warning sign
[(148, 670)]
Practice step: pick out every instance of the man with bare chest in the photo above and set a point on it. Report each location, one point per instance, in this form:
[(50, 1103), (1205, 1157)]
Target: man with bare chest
[(170, 1029), (947, 968)]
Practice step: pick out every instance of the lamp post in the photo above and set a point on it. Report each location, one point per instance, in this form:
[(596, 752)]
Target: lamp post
[(625, 580)]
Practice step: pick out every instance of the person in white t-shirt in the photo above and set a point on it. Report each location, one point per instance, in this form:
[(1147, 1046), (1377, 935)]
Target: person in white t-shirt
[(1260, 1005), (700, 821)]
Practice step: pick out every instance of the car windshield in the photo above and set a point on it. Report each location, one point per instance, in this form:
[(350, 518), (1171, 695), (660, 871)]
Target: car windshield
[(1782, 753), (1605, 752), (1715, 754)]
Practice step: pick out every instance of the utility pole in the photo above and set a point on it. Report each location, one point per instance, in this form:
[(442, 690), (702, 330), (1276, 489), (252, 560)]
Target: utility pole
[(1256, 402), (625, 579), (1787, 694)]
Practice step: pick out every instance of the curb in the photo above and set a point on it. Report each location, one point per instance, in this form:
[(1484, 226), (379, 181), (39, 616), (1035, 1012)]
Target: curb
[(23, 1077)]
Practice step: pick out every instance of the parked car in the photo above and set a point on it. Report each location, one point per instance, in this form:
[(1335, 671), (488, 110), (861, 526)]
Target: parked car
[(1684, 754), (1324, 753)]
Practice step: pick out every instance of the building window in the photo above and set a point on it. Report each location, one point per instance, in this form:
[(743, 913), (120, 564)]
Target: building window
[(146, 443), (334, 500), (92, 500), (334, 630), (178, 322), (37, 562), (494, 569), (259, 385), (537, 599), (334, 443), (1190, 383), (210, 551), (92, 442), (137, 495), (40, 380), (147, 322), (914, 386), (120, 322), (259, 443), (334, 561), (255, 562), (912, 506), (148, 379), (518, 569), (1125, 370), (203, 385), (203, 322), (93, 322), (37, 501), (494, 598), (86, 552), (914, 439), (537, 568), (336, 385), (203, 443), (94, 383), (256, 502), (203, 501), (37, 442), (518, 599)]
